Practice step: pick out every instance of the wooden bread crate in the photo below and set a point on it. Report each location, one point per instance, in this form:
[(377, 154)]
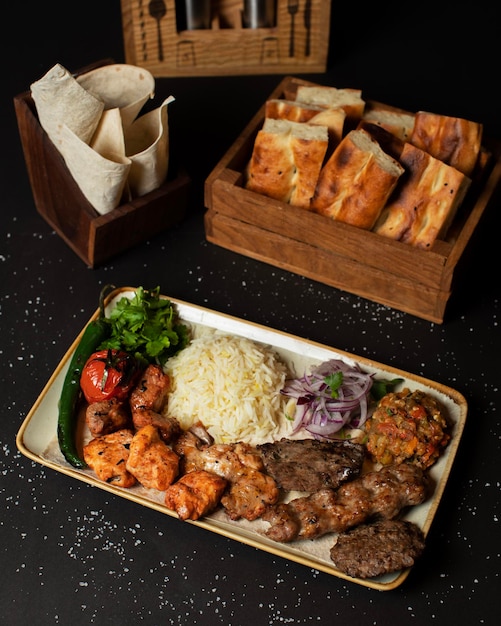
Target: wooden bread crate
[(390, 272), (93, 237), (298, 43)]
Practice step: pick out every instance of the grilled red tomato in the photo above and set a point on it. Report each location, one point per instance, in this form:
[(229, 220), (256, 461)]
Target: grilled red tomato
[(109, 374)]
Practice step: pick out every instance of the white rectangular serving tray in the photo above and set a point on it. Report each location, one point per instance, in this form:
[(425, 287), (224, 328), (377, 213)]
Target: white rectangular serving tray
[(37, 438)]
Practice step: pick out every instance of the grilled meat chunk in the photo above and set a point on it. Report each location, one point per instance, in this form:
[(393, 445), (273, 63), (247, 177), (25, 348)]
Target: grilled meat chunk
[(380, 548), (310, 464), (195, 494), (377, 495), (147, 401), (107, 456), (151, 391), (107, 416), (250, 489), (151, 461)]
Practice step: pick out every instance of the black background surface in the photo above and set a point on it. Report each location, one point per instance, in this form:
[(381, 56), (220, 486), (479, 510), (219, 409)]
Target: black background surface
[(72, 554)]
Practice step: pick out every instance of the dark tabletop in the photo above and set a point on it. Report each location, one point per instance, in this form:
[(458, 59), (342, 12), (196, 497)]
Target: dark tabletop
[(73, 554)]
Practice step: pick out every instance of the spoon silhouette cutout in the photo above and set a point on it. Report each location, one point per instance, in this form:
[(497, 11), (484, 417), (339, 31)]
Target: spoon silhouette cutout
[(157, 10)]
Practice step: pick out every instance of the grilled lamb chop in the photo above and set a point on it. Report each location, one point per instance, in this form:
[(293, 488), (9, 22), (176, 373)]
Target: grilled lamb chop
[(379, 548), (377, 495), (310, 464)]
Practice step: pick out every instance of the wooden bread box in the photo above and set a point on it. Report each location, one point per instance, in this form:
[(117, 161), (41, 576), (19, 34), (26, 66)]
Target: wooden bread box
[(389, 272), (298, 42), (93, 237)]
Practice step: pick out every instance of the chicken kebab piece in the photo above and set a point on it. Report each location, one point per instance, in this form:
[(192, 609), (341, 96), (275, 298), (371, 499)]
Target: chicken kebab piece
[(143, 406), (376, 495), (195, 494), (147, 401), (131, 435), (249, 489), (107, 456)]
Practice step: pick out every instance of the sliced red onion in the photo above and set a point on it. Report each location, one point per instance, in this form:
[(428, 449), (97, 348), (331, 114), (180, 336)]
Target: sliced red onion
[(317, 411)]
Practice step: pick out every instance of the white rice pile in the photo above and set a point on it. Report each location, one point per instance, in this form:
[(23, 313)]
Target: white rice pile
[(231, 384)]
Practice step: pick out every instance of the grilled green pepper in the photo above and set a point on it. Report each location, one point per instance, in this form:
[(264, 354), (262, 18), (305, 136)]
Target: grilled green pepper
[(95, 332)]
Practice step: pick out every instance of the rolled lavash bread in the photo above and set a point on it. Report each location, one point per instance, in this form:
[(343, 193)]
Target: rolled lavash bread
[(454, 140), (356, 181), (309, 113), (425, 200), (286, 161), (350, 100)]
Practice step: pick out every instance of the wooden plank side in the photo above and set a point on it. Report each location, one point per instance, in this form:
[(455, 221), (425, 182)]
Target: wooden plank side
[(326, 267), (483, 198), (142, 218), (51, 183), (425, 267)]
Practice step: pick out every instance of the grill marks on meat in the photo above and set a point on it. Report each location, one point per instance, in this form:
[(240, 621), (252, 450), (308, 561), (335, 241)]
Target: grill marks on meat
[(148, 399), (379, 548), (310, 464), (116, 425), (249, 490), (377, 495), (152, 390), (195, 494), (151, 461), (107, 456), (107, 416)]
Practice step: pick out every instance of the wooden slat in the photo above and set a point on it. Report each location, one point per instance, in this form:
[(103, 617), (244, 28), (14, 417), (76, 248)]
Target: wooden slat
[(424, 267), (326, 267)]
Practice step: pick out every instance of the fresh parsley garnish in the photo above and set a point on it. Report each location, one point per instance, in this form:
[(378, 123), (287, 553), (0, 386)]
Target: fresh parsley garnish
[(146, 326), (334, 382)]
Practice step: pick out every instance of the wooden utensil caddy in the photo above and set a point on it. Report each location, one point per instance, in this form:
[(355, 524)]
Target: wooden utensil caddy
[(389, 272), (298, 43)]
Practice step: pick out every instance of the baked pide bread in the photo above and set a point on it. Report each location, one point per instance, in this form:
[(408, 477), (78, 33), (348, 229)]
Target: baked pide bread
[(400, 174), (388, 141), (335, 120), (286, 161), (350, 100), (425, 200), (291, 110), (356, 182), (398, 123), (301, 112), (454, 140)]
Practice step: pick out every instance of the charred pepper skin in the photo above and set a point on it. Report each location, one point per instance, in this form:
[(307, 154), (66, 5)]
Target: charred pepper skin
[(95, 332)]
